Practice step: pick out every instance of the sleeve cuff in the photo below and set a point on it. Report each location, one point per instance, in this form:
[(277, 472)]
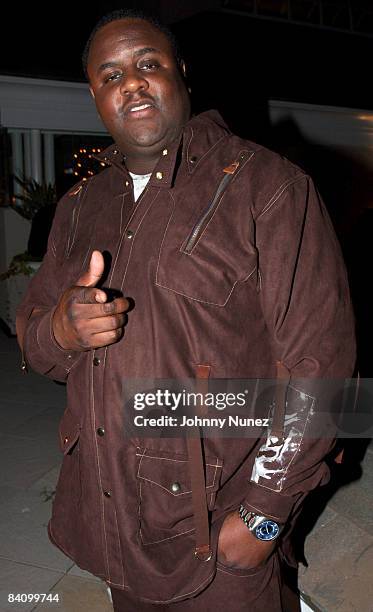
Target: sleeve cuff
[(269, 503), (47, 343)]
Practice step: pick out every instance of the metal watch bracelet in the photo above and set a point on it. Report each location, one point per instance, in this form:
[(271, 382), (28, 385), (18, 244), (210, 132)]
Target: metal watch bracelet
[(251, 519), (261, 527)]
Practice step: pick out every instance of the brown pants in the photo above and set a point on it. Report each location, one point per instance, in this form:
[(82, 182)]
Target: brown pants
[(232, 590)]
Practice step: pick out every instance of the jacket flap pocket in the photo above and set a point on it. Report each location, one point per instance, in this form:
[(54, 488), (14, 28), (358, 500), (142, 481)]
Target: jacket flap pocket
[(208, 243), (222, 257), (170, 472), (69, 432)]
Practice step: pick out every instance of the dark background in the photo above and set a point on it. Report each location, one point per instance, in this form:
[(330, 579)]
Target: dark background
[(235, 63), (235, 59)]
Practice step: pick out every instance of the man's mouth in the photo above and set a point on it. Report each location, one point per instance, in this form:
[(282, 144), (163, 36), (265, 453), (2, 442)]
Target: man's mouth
[(135, 109), (139, 110)]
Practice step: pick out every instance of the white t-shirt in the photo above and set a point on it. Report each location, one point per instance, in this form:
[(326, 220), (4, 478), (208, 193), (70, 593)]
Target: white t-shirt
[(140, 181)]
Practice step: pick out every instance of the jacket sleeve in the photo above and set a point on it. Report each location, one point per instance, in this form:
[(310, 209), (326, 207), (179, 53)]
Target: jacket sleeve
[(39, 349), (306, 304)]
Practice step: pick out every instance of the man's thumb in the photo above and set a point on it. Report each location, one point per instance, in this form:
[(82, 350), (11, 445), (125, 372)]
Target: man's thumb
[(94, 272)]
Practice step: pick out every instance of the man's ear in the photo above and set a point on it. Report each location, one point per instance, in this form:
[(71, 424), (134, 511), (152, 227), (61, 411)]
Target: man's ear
[(92, 92), (185, 76), (183, 68)]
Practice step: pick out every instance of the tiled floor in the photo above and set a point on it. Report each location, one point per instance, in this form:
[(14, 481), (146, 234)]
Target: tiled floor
[(339, 549), (30, 409)]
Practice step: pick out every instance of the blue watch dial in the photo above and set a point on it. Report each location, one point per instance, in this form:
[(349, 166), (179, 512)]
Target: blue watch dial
[(267, 530)]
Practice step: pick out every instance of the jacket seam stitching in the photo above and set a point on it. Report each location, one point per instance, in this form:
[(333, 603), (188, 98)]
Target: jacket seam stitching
[(243, 280), (99, 477), (167, 490), (223, 571), (260, 511), (283, 187), (213, 465), (121, 238), (132, 242), (183, 595), (212, 492), (120, 547), (176, 535), (121, 214), (75, 223), (164, 237), (138, 228)]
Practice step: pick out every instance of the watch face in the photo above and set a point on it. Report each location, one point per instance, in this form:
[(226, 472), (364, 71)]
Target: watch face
[(267, 530)]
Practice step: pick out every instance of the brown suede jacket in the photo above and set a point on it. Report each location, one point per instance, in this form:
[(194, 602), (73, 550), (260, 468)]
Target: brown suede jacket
[(232, 262)]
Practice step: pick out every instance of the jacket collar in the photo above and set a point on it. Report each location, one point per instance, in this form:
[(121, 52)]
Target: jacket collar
[(200, 135)]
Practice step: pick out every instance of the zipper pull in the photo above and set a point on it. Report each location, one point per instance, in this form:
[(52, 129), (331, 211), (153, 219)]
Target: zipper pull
[(231, 169)]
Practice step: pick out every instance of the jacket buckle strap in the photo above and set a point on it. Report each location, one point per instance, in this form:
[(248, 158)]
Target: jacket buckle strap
[(202, 551)]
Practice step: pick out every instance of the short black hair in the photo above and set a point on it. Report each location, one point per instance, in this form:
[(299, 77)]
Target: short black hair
[(130, 14)]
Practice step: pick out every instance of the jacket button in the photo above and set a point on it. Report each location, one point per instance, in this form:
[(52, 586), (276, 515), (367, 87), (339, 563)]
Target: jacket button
[(129, 234), (65, 440), (107, 493), (175, 487), (159, 175), (101, 431), (193, 159), (96, 361)]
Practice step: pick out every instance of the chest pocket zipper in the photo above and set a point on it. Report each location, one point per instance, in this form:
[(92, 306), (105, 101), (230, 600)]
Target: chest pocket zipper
[(197, 230)]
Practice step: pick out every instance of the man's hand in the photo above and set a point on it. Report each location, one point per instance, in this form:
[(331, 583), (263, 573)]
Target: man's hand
[(238, 547), (83, 319)]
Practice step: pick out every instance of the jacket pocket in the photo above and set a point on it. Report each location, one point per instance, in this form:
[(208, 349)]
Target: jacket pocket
[(165, 495), (206, 247)]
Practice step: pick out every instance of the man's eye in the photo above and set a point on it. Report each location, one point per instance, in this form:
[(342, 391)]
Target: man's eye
[(112, 77), (149, 65)]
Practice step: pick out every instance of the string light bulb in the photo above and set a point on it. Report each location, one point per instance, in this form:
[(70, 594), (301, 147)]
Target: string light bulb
[(84, 164)]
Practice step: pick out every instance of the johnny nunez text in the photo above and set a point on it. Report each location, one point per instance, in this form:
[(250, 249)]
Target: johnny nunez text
[(195, 421)]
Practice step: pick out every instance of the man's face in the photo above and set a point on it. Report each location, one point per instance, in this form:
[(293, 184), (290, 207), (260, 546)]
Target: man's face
[(139, 91)]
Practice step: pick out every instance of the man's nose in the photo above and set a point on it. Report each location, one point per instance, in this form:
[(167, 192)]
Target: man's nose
[(132, 83)]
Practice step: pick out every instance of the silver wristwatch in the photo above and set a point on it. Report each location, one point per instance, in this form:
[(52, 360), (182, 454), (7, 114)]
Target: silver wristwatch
[(261, 527)]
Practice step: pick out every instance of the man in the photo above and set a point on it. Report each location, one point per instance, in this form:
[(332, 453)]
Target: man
[(234, 272)]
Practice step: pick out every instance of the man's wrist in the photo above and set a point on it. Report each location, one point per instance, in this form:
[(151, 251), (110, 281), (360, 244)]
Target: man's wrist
[(50, 345), (262, 527)]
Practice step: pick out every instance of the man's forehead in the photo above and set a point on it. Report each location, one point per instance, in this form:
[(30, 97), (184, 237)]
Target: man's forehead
[(132, 32)]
